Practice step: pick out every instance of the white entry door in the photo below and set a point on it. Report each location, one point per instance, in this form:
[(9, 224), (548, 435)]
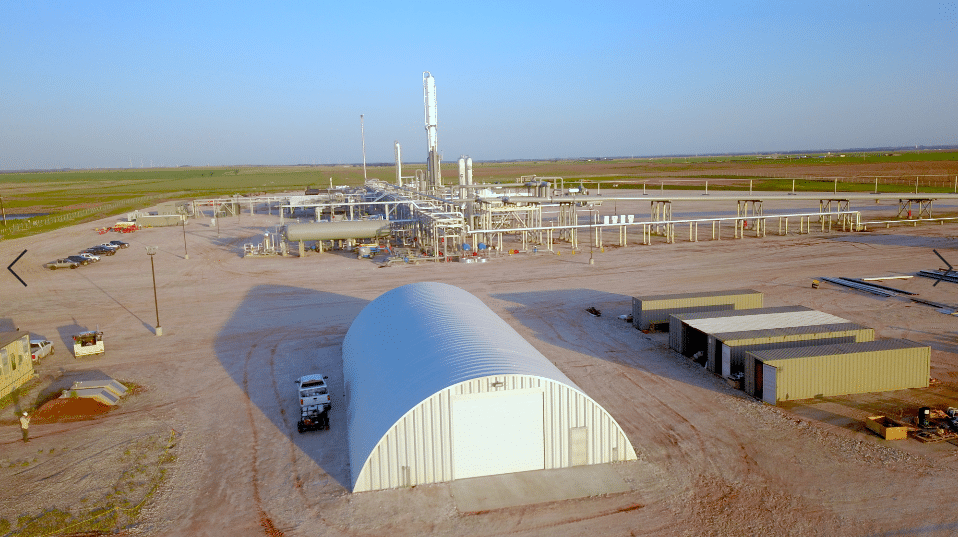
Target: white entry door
[(497, 433), (768, 384)]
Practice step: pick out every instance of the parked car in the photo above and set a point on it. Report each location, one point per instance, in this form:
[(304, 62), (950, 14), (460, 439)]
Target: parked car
[(99, 250), (121, 244), (40, 348), (109, 245), (61, 263), (90, 258), (79, 259)]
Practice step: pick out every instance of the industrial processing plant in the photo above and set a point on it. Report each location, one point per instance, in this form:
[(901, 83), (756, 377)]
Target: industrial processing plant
[(409, 354)]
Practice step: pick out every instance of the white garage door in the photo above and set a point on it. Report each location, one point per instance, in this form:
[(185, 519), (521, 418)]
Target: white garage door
[(497, 433)]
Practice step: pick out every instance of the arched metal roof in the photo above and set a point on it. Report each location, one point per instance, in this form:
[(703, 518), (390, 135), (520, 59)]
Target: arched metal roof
[(416, 340)]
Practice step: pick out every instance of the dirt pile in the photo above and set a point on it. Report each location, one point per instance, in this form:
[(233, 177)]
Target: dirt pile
[(65, 409)]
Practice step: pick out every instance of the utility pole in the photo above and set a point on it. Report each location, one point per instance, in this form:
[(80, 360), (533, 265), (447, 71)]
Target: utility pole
[(186, 254), (151, 251)]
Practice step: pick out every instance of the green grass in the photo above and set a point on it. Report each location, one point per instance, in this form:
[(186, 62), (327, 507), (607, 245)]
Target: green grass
[(85, 195), (75, 196), (147, 460)]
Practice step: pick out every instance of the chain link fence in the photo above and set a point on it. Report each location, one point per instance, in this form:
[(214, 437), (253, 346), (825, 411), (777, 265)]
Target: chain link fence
[(20, 226)]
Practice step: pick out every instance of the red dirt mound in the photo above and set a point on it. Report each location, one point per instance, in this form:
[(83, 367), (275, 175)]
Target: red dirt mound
[(69, 409)]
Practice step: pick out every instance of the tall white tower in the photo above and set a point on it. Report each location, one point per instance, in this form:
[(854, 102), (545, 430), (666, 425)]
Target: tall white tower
[(398, 164), (433, 174)]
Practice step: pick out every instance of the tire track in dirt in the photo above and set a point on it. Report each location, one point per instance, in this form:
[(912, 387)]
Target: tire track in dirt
[(291, 445), (268, 527)]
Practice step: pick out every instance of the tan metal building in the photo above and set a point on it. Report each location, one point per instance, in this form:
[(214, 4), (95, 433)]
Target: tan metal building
[(686, 337), (16, 366), (726, 351), (829, 370), (657, 308)]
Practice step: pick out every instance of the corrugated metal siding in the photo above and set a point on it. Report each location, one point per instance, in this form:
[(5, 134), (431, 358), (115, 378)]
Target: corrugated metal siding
[(410, 350), (847, 368), (16, 366), (763, 322), (418, 448), (792, 336), (678, 327), (657, 308)]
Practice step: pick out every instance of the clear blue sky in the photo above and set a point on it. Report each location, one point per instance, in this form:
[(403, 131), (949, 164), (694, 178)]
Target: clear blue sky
[(104, 84)]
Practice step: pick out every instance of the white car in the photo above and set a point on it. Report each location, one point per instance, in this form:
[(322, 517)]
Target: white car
[(91, 257), (111, 246), (40, 348)]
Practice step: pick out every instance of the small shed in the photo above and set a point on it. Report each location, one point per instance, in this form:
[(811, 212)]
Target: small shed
[(16, 366), (726, 351), (686, 338), (841, 369), (657, 308)]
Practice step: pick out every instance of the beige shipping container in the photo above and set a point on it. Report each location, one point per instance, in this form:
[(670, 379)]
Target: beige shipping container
[(687, 331), (657, 308), (842, 369), (726, 351)]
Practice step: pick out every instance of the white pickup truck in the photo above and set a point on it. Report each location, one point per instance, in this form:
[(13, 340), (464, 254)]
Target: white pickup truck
[(40, 348), (314, 403)]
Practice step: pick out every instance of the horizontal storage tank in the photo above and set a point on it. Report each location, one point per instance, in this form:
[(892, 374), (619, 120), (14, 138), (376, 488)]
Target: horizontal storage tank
[(326, 231), (440, 388), (680, 335), (726, 351), (657, 308), (830, 370)]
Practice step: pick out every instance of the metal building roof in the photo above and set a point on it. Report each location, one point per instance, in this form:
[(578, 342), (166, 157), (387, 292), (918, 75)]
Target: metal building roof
[(415, 340), (737, 313), (7, 338), (760, 322), (836, 349), (682, 296), (787, 331)]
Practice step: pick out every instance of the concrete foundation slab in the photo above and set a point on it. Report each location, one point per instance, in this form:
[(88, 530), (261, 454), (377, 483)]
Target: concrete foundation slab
[(528, 488)]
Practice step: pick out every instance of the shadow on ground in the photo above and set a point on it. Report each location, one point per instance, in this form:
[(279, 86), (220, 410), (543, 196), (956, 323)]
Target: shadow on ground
[(906, 240), (607, 337), (277, 334)]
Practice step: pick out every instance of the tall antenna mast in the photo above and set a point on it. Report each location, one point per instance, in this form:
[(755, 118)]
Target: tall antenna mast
[(362, 129)]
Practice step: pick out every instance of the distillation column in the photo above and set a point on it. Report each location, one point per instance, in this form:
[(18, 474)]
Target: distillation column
[(433, 173)]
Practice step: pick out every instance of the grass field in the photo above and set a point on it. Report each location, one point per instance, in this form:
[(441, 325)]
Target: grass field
[(71, 197)]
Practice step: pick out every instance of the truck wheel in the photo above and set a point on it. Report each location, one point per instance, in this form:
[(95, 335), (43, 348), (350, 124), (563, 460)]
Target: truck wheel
[(299, 427)]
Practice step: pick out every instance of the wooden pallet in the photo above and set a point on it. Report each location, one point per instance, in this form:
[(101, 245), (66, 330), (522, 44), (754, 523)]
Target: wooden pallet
[(931, 437)]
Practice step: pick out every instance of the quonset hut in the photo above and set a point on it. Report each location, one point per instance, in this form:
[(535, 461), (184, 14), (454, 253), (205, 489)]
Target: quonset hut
[(439, 388)]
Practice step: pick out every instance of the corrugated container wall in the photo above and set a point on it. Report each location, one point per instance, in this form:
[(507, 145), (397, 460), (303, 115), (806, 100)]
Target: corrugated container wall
[(680, 323), (726, 352), (831, 370), (657, 308)]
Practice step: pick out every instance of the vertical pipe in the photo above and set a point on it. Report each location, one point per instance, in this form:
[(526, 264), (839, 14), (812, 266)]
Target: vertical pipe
[(398, 164), (362, 130)]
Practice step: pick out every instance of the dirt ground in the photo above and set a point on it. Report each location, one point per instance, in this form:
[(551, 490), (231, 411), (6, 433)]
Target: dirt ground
[(212, 425)]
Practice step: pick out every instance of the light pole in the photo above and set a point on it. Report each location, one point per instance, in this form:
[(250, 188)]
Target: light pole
[(186, 254), (151, 250)]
